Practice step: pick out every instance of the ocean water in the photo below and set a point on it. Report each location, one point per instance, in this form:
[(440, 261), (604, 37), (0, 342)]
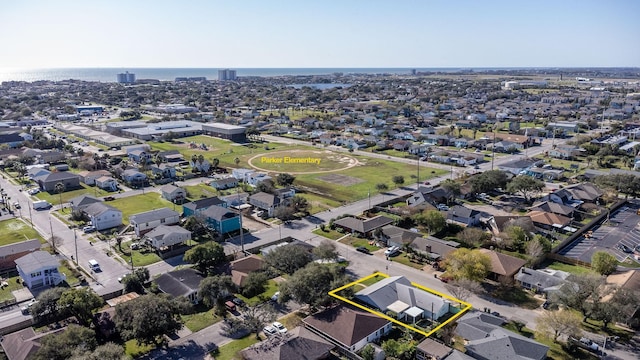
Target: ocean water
[(169, 74)]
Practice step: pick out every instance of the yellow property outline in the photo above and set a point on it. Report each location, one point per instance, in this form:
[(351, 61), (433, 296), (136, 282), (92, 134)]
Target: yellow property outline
[(467, 306)]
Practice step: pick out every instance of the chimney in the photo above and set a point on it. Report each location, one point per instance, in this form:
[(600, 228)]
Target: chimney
[(428, 248)]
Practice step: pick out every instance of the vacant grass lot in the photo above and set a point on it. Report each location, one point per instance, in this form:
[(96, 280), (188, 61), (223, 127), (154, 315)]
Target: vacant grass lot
[(202, 318), (54, 198), (16, 230), (140, 203), (355, 242), (329, 234), (139, 258), (5, 293)]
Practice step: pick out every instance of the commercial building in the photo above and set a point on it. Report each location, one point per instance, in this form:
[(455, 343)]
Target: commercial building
[(126, 78), (226, 74), (225, 131)]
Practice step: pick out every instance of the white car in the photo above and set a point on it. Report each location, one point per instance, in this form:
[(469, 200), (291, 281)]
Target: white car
[(278, 326), (33, 191), (275, 296), (269, 330), (88, 229), (391, 251)]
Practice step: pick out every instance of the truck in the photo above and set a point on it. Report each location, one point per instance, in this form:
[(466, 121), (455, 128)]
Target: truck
[(41, 205)]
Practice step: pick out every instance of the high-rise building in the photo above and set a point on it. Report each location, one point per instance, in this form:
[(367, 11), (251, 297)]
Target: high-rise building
[(126, 78), (226, 74)]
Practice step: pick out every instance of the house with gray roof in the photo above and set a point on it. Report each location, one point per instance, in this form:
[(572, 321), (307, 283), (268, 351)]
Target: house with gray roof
[(48, 182), (267, 202), (541, 281), (365, 227), (173, 193), (222, 219), (398, 295), (299, 343), (79, 203), (166, 236), (149, 220), (197, 206), (103, 216), (39, 269), (487, 340), (463, 215), (183, 282)]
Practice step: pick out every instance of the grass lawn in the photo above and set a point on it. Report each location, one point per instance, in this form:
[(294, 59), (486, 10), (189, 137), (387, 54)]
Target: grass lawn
[(270, 289), (319, 203), (403, 259), (134, 350), (372, 280), (517, 296), (54, 198), (5, 293), (202, 318), (140, 203), (330, 234), (72, 279), (139, 258), (292, 320), (200, 191), (572, 269), (232, 350), (595, 326), (355, 242), (556, 352), (16, 230)]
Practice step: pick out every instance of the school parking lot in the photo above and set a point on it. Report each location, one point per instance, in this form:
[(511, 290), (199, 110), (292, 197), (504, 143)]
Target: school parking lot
[(619, 236)]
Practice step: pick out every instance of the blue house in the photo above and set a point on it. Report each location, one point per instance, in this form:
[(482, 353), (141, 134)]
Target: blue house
[(197, 206), (221, 219)]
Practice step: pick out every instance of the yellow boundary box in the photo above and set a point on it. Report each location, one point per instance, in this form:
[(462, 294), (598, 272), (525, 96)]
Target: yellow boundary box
[(466, 305)]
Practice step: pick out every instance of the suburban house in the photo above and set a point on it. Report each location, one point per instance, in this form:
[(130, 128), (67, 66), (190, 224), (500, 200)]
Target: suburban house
[(49, 181), (38, 269), (397, 236), (364, 227), (224, 183), (89, 177), (197, 206), (35, 171), (78, 203), (107, 183), (517, 166), (103, 216), (585, 192), (242, 174), (434, 248), (134, 177), (428, 196), (487, 340), (163, 171), (542, 281), (149, 220), (299, 343), (137, 155), (431, 349), (566, 152), (555, 208), (348, 327), (256, 178), (222, 219), (9, 253), (503, 266), (165, 236), (267, 202), (409, 303), (241, 268), (173, 193), (170, 156), (463, 215), (498, 224), (547, 220), (183, 282), (25, 343)]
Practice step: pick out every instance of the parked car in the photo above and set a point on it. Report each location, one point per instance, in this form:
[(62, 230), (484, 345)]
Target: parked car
[(33, 191), (135, 246), (238, 301), (275, 296), (25, 309), (109, 198), (88, 229), (363, 250), (624, 248), (391, 251), (278, 326), (443, 207), (16, 205), (269, 330)]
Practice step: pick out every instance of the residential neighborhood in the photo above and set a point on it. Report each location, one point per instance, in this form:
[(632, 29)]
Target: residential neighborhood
[(223, 213)]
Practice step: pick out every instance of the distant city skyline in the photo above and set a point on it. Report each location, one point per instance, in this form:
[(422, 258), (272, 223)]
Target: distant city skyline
[(319, 34)]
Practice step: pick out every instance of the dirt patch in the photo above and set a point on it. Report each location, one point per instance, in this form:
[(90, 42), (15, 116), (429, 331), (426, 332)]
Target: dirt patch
[(339, 179)]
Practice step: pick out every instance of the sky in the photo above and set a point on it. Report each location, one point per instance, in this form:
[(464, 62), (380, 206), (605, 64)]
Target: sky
[(319, 34)]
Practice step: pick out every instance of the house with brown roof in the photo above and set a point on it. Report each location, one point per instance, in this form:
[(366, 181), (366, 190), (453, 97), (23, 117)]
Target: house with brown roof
[(364, 227), (430, 349), (547, 220), (298, 344), (9, 253), (23, 344), (241, 268), (348, 327), (503, 266)]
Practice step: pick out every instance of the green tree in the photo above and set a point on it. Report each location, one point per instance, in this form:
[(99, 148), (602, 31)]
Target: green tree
[(46, 308), (584, 293), (603, 262), (59, 188), (452, 186), (236, 161), (288, 258), (300, 204), (214, 289), (108, 351), (467, 264), (621, 306), (215, 162), (136, 280), (205, 256), (326, 250), (254, 318), (398, 180), (472, 236), (488, 180), (311, 284), (433, 220), (368, 352), (401, 350), (381, 187), (74, 340), (254, 284), (80, 302), (147, 318), (284, 179), (555, 323), (525, 185)]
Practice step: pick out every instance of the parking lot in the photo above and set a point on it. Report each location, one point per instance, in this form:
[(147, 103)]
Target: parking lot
[(622, 230)]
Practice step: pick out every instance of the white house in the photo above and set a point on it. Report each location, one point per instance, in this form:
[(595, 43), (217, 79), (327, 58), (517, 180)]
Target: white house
[(107, 183), (173, 193), (224, 183), (242, 174), (39, 269), (144, 222), (103, 216), (256, 178), (164, 235)]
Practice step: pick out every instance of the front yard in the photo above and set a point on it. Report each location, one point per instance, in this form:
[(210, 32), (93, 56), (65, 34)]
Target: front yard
[(270, 289), (355, 242), (140, 203), (200, 319), (16, 230)]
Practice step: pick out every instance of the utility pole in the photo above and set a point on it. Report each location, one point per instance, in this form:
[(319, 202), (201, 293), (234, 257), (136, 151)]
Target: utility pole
[(53, 242), (75, 242), (241, 231), (493, 148)]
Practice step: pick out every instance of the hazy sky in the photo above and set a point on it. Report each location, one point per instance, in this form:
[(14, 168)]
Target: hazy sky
[(323, 33)]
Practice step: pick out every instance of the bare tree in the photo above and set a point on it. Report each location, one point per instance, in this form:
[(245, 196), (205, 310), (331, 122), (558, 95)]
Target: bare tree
[(555, 323), (463, 288), (535, 248)]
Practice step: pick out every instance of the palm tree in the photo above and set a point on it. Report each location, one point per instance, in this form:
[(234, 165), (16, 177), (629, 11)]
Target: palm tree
[(236, 161), (215, 162), (200, 161), (59, 188)]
